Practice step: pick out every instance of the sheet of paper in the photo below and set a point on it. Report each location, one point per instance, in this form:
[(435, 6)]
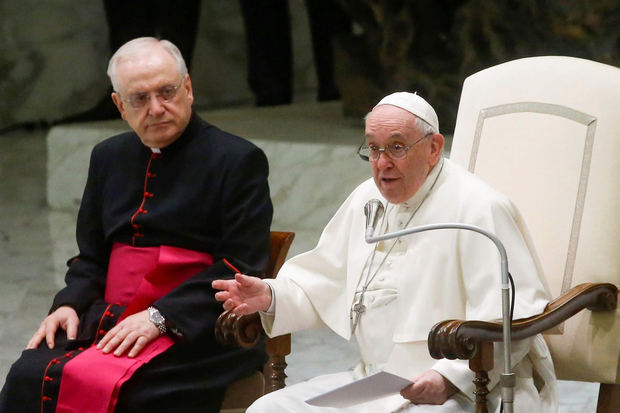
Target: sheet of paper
[(369, 388)]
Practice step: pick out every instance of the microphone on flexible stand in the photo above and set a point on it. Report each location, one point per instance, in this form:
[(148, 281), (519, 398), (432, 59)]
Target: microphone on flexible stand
[(507, 379), (374, 211)]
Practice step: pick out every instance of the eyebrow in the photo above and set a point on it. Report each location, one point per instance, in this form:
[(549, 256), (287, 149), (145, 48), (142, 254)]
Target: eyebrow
[(156, 89), (171, 83)]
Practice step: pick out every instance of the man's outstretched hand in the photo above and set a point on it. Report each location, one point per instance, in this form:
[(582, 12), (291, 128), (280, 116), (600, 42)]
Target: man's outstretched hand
[(243, 295)]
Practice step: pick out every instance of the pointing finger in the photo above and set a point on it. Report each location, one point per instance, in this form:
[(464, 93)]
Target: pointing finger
[(219, 284)]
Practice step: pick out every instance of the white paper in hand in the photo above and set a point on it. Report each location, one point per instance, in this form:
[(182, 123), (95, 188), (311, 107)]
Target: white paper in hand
[(369, 388)]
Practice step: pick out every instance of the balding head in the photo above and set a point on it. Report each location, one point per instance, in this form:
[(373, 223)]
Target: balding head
[(141, 47)]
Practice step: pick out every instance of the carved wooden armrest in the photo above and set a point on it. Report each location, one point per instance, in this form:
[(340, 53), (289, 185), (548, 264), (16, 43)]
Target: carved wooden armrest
[(458, 339), (473, 340), (246, 331), (243, 331)]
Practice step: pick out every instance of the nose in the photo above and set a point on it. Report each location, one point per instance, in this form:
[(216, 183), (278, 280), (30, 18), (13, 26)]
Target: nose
[(156, 108), (384, 161)]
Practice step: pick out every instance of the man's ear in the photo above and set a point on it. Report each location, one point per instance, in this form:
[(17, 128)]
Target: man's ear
[(188, 87), (119, 103), (437, 142)]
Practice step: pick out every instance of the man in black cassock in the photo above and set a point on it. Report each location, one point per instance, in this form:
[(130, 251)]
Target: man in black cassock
[(175, 184)]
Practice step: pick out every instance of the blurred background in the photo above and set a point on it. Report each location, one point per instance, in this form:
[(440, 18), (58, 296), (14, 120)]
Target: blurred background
[(53, 54)]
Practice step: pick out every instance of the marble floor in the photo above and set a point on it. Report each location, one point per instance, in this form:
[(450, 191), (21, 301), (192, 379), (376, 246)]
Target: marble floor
[(29, 274)]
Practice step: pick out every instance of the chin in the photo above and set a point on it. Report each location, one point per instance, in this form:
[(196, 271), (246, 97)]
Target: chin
[(391, 198), (159, 141), (396, 201)]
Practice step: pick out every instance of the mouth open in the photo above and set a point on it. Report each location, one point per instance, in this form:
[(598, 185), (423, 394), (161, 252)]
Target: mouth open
[(388, 180)]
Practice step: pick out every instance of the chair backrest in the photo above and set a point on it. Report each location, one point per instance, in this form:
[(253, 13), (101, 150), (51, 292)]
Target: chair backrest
[(545, 131), (279, 244)]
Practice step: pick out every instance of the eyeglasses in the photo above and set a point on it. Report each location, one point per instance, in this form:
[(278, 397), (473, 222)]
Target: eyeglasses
[(165, 94), (371, 153)]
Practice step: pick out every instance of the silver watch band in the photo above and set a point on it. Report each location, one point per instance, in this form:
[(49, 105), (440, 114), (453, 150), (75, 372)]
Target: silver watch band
[(158, 319)]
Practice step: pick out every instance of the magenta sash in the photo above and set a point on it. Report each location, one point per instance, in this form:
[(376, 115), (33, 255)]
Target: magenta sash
[(136, 277)]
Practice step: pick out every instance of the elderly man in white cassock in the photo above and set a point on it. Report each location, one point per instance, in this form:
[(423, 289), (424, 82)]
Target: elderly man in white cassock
[(389, 294)]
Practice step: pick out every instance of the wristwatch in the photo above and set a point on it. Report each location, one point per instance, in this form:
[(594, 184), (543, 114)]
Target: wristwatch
[(156, 318)]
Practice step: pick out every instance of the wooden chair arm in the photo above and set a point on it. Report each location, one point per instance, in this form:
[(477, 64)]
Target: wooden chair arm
[(246, 331), (473, 340), (459, 339), (242, 331)]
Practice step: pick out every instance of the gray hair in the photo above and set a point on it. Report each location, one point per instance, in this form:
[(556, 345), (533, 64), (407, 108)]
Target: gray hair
[(420, 124), (424, 127), (134, 47)]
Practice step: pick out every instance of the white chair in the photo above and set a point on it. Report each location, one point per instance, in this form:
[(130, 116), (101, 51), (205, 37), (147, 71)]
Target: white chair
[(545, 131)]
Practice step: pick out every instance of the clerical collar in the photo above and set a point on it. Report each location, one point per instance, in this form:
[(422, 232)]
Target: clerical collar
[(156, 150), (420, 194)]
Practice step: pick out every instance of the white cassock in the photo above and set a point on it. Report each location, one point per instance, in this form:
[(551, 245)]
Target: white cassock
[(415, 282)]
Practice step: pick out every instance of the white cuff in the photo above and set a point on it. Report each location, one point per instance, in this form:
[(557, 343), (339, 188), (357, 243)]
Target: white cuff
[(272, 307)]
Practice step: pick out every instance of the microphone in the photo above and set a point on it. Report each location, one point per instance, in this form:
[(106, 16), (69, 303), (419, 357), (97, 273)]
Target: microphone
[(507, 379), (374, 211)]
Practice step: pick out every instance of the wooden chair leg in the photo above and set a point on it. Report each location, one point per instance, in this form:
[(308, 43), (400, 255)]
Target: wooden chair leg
[(608, 398), (277, 350), (480, 364)]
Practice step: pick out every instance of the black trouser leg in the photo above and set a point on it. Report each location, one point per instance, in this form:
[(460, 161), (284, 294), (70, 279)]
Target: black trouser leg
[(269, 53)]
